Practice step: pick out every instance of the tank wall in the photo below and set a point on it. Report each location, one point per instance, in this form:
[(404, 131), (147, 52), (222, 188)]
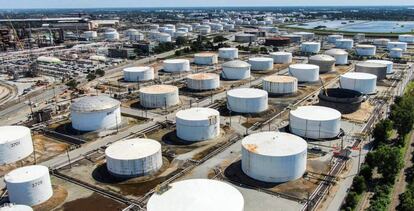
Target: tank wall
[(159, 100), (206, 84), (247, 105), (229, 54), (282, 59), (280, 88), (236, 73), (305, 75), (206, 60), (139, 76), (314, 129), (273, 169), (367, 86), (198, 130), (138, 167), (261, 65), (380, 72), (177, 67), (366, 51), (91, 121)]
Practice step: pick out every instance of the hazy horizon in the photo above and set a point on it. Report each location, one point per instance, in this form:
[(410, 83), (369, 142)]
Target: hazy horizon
[(54, 4)]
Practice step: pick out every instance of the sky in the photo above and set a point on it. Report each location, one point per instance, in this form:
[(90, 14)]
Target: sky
[(8, 4)]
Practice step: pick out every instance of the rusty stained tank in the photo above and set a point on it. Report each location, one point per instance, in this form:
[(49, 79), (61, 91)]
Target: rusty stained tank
[(277, 41), (345, 101)]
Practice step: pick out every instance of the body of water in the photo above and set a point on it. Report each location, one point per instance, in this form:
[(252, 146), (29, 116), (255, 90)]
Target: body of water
[(361, 26)]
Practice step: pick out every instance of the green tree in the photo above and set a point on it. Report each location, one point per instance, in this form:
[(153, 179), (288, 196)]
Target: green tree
[(406, 201), (366, 172), (72, 84), (90, 76), (382, 132), (181, 41), (359, 185), (100, 72), (219, 38), (352, 199), (389, 161)]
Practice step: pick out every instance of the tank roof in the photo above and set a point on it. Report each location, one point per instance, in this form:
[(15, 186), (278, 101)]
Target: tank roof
[(133, 149), (197, 195), (205, 54), (359, 75), (137, 69), (12, 133), (203, 76), (316, 113), (365, 46), (380, 61), (26, 173), (322, 57), (197, 113), (304, 66), (336, 51), (280, 79), (236, 64), (280, 53), (175, 61), (261, 59), (228, 49), (94, 103), (247, 93), (158, 89), (274, 144), (370, 64)]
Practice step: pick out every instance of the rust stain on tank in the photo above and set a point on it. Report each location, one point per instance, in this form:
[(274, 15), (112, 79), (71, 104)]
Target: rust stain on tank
[(251, 147)]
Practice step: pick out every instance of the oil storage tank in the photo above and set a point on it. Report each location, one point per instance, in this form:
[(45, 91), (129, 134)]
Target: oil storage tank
[(341, 56), (381, 42), (315, 122), (333, 37), (203, 81), (396, 53), (346, 44), (247, 100), (236, 70), (274, 156), (344, 100), (15, 144), (390, 64), (326, 63), (366, 50), (176, 65), (304, 72), (310, 47), (133, 157), (134, 74), (197, 195), (408, 38), (205, 58), (29, 185), (158, 96), (362, 82), (402, 45), (380, 70), (95, 113), (198, 124), (261, 63), (279, 85), (282, 57), (229, 53), (245, 38)]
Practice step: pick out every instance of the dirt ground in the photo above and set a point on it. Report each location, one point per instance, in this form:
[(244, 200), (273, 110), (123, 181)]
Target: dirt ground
[(95, 202), (361, 115), (59, 196)]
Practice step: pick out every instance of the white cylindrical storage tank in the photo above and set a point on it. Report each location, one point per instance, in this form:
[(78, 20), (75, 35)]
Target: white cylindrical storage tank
[(158, 96), (274, 156), (362, 82), (408, 38), (261, 63), (176, 65), (402, 45), (316, 122), (130, 32), (154, 27), (90, 34), (247, 100), (197, 195), (332, 38), (236, 70), (95, 113), (344, 44), (197, 124), (396, 53), (111, 35), (169, 26), (169, 31), (310, 47), (163, 37), (29, 185), (182, 29), (138, 73), (205, 58), (162, 29), (304, 72), (341, 56), (390, 64), (229, 53), (359, 36), (380, 70), (133, 157), (203, 81), (282, 57), (293, 38), (15, 144), (381, 42), (278, 84), (15, 207), (326, 63), (366, 50)]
